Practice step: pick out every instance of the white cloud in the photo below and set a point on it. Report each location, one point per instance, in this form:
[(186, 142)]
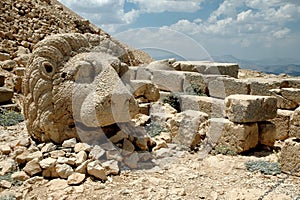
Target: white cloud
[(107, 13), (246, 24), (158, 6), (281, 33)]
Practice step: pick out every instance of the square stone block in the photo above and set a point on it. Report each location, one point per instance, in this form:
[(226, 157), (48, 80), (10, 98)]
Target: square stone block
[(238, 137), (290, 159), (250, 108), (211, 106)]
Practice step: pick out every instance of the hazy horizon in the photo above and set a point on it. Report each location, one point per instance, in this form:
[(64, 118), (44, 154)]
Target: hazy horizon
[(246, 29)]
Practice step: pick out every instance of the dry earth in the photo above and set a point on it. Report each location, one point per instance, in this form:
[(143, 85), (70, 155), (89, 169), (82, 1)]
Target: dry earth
[(177, 174)]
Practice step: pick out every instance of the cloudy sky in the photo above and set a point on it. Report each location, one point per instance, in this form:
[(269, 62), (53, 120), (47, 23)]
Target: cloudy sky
[(193, 29)]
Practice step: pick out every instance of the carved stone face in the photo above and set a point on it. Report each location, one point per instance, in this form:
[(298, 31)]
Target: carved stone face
[(67, 85)]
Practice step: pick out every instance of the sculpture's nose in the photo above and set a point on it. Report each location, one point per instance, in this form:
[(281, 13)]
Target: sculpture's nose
[(103, 102)]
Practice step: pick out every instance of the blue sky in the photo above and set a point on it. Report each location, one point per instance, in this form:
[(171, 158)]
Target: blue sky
[(195, 29)]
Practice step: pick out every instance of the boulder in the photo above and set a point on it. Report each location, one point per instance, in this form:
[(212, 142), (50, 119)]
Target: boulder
[(185, 125), (250, 108), (289, 157), (237, 137)]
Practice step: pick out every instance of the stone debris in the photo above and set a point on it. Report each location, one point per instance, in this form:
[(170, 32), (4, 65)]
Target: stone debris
[(90, 122)]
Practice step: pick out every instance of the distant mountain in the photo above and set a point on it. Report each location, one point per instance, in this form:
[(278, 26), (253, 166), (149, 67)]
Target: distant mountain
[(270, 66), (275, 66)]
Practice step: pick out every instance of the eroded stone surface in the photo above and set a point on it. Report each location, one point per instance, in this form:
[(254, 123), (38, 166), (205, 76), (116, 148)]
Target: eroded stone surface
[(250, 108), (238, 137), (61, 83), (290, 159)]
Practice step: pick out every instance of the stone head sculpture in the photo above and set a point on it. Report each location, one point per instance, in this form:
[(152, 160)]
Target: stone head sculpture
[(75, 79)]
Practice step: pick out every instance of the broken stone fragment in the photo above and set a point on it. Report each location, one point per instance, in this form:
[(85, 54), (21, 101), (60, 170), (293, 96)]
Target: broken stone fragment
[(97, 152), (64, 170), (70, 143), (20, 176), (82, 147), (95, 169), (76, 178), (111, 167), (5, 149), (32, 167)]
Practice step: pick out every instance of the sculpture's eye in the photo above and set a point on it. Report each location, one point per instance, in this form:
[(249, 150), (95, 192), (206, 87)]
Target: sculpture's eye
[(47, 69)]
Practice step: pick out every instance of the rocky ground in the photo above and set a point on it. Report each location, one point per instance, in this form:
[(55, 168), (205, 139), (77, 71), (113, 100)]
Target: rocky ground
[(177, 174)]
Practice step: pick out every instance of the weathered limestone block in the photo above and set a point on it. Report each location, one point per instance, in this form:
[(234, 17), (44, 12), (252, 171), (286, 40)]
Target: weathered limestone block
[(132, 71), (238, 137), (223, 87), (211, 106), (145, 89), (185, 125), (69, 82), (292, 94), (282, 123), (168, 80), (143, 73), (267, 133), (194, 83), (260, 86), (282, 102), (295, 124), (5, 94), (206, 67), (289, 158), (250, 108), (291, 83), (165, 64)]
